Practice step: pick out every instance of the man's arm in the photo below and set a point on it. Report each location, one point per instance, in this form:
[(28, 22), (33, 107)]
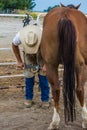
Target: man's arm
[(16, 51)]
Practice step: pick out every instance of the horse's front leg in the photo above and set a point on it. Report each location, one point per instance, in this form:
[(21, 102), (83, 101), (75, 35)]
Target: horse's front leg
[(53, 78), (81, 79)]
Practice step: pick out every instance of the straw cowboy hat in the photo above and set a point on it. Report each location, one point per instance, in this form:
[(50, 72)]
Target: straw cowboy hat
[(30, 37)]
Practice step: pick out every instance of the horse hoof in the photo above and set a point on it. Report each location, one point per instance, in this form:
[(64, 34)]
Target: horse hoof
[(53, 126), (84, 125)]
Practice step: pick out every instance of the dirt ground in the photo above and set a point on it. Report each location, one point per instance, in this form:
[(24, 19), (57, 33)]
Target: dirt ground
[(13, 114)]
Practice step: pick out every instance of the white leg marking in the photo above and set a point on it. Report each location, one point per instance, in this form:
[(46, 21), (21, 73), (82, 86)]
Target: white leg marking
[(84, 117), (55, 121)]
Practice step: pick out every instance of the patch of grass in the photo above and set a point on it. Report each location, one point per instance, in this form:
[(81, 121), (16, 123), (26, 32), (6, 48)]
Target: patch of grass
[(33, 14)]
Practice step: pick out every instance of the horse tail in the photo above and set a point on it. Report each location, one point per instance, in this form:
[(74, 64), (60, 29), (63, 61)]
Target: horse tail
[(67, 39)]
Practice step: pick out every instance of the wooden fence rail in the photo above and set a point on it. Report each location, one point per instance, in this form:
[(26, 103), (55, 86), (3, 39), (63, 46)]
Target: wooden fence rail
[(13, 63)]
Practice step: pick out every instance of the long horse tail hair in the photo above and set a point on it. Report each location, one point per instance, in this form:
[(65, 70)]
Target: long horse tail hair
[(67, 46)]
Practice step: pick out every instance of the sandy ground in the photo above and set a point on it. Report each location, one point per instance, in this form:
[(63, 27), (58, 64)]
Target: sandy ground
[(13, 114)]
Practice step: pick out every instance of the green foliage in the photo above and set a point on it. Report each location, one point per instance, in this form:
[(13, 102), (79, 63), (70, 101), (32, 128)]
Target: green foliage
[(1, 6), (17, 4), (49, 8), (30, 4), (34, 15)]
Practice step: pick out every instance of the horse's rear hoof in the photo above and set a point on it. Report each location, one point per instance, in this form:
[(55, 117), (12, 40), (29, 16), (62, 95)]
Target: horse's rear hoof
[(53, 126), (84, 125), (53, 129)]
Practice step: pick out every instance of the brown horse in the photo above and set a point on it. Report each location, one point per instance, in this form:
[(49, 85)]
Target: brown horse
[(64, 41)]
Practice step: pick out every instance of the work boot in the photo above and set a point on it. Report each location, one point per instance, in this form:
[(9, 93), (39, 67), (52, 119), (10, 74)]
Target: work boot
[(45, 105), (28, 103)]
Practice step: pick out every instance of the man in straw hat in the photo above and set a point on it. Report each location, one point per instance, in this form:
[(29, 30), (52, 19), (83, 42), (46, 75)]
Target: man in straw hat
[(30, 37)]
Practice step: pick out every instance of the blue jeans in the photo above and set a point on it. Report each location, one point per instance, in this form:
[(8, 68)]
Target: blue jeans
[(29, 88), (43, 84)]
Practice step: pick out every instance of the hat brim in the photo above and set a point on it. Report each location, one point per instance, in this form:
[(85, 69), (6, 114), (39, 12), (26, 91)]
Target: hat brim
[(24, 32)]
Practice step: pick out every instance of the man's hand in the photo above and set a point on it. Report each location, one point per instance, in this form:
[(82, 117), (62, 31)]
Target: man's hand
[(44, 68), (20, 65)]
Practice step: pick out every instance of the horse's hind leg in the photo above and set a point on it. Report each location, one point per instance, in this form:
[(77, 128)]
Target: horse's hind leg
[(53, 79), (81, 79)]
